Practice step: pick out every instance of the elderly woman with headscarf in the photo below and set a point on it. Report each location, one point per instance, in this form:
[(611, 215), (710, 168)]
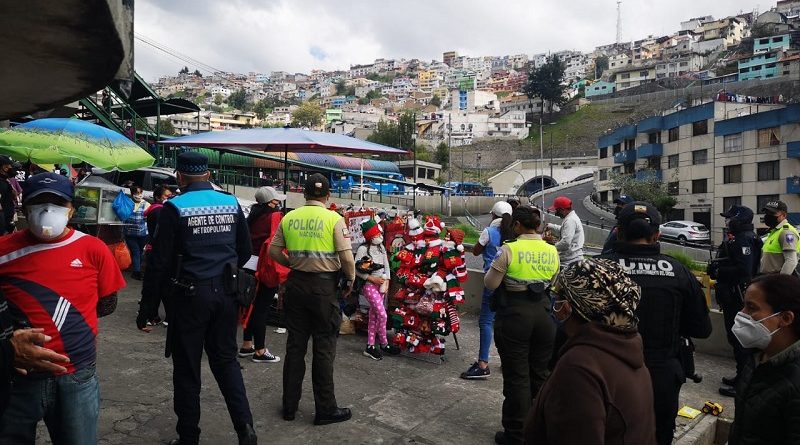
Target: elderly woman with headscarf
[(600, 390)]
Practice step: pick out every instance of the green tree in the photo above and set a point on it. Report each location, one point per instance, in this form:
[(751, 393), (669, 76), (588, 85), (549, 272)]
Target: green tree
[(238, 99), (185, 70), (307, 114), (341, 87), (363, 101), (600, 65), (218, 99), (386, 133), (407, 127), (442, 155), (261, 110), (165, 128), (436, 101), (422, 153), (545, 83), (197, 73), (648, 188)]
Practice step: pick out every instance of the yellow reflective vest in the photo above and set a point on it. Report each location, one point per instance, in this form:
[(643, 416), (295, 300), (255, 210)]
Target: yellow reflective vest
[(532, 260), (308, 232)]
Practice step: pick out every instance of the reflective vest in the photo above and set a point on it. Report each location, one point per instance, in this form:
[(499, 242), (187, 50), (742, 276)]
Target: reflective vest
[(491, 249), (532, 260), (773, 243), (308, 232)]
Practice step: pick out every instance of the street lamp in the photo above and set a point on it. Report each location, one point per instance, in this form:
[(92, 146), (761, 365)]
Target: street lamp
[(414, 146)]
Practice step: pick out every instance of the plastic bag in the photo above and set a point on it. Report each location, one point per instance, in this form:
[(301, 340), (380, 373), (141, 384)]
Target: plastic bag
[(122, 206), (121, 254)]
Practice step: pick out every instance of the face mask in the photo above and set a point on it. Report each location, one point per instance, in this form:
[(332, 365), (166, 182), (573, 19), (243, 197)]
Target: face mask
[(137, 198), (378, 240), (47, 221), (770, 220), (752, 334), (617, 210)]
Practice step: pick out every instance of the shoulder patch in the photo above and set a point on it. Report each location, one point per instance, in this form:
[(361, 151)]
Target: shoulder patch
[(746, 250), (345, 232), (790, 238)]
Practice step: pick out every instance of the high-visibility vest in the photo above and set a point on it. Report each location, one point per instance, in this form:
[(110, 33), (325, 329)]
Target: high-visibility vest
[(532, 260), (773, 243), (308, 232)]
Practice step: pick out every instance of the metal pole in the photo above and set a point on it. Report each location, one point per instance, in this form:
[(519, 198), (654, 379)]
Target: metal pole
[(541, 155), (414, 143), (551, 154), (449, 162), (361, 194)]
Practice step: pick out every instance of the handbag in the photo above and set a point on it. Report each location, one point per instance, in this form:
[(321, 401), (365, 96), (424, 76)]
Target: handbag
[(122, 206), (241, 283)]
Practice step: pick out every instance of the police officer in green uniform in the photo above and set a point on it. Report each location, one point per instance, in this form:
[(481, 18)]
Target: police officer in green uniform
[(317, 248), (780, 251), (200, 241), (523, 330)]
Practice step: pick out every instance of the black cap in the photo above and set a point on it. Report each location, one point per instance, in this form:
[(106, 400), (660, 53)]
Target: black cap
[(623, 199), (47, 183), (738, 213), (317, 186), (192, 163), (639, 210), (5, 160), (774, 206)]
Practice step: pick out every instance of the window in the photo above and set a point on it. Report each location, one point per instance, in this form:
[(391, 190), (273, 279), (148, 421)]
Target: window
[(700, 128), (604, 196), (768, 137), (673, 188), (603, 152), (730, 201), (625, 76), (630, 168), (700, 186), (654, 138), (763, 42), (643, 73), (674, 134), (672, 161), (776, 39), (732, 174), (768, 171), (630, 144), (616, 170), (762, 200), (603, 174), (732, 143), (699, 157), (616, 148), (684, 64)]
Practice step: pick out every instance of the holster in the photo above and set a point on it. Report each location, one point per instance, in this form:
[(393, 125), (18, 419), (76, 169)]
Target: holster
[(240, 283)]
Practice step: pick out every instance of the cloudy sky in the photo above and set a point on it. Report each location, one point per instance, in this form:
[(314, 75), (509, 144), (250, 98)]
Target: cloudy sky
[(300, 35)]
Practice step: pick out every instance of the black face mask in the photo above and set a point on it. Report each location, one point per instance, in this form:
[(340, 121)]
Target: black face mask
[(771, 220), (617, 210)]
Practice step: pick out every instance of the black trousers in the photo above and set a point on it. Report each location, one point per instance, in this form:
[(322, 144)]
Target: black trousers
[(730, 302), (667, 377), (206, 320), (256, 330), (311, 309), (153, 294), (523, 334)]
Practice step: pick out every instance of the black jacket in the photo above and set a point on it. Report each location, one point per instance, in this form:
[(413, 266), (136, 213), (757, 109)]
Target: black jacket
[(6, 354), (672, 305), (768, 401), (738, 257)]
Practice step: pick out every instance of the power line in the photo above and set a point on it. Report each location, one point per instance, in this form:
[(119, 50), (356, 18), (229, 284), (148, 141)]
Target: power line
[(176, 54)]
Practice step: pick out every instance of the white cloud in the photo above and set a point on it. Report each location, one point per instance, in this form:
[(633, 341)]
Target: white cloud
[(300, 35)]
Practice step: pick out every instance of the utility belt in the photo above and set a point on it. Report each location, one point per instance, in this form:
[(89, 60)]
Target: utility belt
[(301, 275), (502, 296)]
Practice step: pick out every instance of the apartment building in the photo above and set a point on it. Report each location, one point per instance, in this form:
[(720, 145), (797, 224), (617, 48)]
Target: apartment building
[(185, 123), (634, 76), (711, 156), (678, 66)]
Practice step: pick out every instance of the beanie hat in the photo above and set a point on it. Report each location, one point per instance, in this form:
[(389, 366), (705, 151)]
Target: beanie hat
[(414, 228), (433, 225), (371, 229)]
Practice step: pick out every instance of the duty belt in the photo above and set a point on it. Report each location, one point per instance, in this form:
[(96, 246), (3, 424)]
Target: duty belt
[(299, 274)]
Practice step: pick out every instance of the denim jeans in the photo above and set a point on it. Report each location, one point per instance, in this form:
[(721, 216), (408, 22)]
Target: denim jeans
[(68, 404), (136, 246), (485, 324)]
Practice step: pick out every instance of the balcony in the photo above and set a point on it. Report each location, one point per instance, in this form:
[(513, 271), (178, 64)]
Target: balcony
[(649, 150), (625, 157), (793, 185), (793, 150), (645, 175)]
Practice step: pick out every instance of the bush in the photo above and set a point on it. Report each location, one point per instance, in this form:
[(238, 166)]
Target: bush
[(687, 261)]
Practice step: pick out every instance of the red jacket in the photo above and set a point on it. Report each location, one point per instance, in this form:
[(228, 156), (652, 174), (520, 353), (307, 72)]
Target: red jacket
[(268, 272)]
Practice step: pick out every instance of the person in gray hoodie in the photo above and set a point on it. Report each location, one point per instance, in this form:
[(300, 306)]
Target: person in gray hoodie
[(570, 244)]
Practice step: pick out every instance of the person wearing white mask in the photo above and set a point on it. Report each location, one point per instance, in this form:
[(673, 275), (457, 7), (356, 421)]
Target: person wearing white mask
[(59, 281), (136, 231), (768, 390), (372, 266)]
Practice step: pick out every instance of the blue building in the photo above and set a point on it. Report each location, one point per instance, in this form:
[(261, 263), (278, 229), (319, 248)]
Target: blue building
[(600, 88)]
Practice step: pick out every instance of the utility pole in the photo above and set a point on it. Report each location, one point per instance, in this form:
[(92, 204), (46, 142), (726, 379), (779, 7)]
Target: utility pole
[(541, 155), (619, 21)]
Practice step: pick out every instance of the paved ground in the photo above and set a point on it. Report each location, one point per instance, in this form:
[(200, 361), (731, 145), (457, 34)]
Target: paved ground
[(399, 400)]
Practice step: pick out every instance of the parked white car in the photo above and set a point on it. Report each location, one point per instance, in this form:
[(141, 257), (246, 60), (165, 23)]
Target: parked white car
[(685, 232), (365, 188)]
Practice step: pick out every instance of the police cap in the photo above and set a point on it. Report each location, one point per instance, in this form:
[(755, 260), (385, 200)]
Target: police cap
[(192, 163), (317, 186), (639, 210)]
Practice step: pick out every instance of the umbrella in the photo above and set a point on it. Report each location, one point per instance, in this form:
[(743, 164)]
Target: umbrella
[(47, 141), (282, 140)]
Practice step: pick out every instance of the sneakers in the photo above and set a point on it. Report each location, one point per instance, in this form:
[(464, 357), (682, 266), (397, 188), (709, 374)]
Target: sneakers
[(475, 372), (390, 349), (246, 352), (373, 352), (267, 357)]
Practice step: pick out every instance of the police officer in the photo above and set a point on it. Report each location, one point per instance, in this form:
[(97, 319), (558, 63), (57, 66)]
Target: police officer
[(523, 332), (672, 306), (734, 267), (201, 236), (780, 251), (318, 248), (619, 203)]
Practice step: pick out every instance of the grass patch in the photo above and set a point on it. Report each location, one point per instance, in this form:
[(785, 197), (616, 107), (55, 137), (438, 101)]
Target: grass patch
[(471, 234), (687, 261)]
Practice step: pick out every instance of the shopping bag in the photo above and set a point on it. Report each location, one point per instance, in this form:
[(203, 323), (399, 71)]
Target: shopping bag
[(121, 254), (122, 206)]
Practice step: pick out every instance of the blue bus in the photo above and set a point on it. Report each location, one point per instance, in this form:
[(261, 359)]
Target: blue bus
[(343, 182), (468, 189)]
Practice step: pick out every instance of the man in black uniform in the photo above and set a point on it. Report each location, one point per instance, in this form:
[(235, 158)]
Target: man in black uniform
[(613, 236), (6, 195), (201, 236), (672, 306), (737, 261)]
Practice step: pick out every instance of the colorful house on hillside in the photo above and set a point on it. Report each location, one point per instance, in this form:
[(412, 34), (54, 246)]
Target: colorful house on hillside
[(600, 88)]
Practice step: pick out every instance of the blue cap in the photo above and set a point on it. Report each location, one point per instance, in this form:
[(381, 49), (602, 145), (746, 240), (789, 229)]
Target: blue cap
[(192, 163), (623, 199), (739, 213), (47, 183)]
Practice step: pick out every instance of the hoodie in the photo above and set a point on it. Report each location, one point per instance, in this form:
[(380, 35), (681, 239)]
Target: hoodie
[(599, 392)]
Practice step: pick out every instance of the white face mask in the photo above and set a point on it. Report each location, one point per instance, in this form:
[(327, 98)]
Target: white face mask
[(47, 221), (752, 334), (378, 240)]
